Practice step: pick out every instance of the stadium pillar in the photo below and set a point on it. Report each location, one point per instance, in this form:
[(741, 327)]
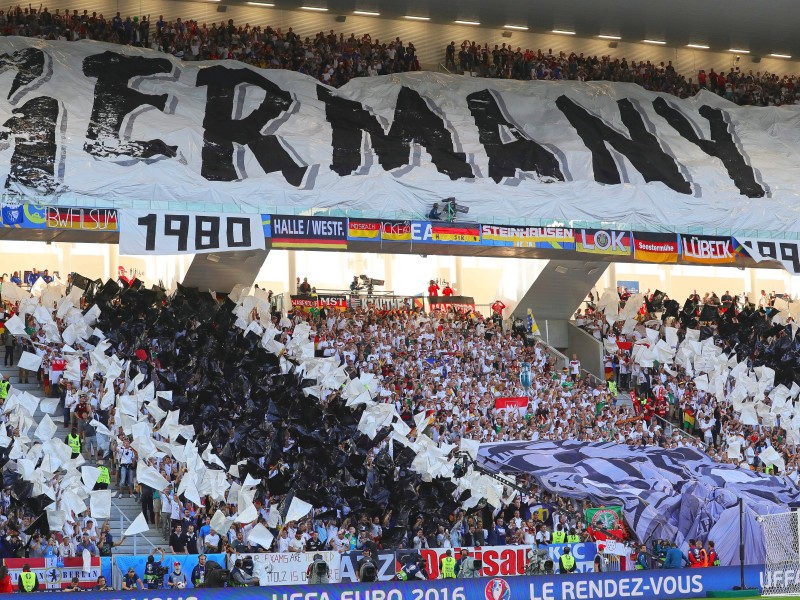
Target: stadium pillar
[(554, 297), (221, 272)]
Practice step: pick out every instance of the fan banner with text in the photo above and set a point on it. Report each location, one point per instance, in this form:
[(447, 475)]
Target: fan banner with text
[(131, 127)]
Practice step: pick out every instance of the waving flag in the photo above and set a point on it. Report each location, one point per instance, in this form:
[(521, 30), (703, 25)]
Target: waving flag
[(675, 494)]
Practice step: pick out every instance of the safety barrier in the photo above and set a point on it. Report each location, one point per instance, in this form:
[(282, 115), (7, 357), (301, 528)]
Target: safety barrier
[(652, 585)]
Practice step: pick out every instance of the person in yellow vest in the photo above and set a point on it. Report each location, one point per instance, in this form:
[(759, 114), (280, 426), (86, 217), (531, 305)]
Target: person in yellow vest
[(559, 535), (74, 442), (448, 569), (566, 564), (5, 387), (104, 477), (28, 582), (573, 537)]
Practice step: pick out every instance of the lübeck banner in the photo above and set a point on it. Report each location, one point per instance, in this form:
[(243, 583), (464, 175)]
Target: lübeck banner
[(85, 122)]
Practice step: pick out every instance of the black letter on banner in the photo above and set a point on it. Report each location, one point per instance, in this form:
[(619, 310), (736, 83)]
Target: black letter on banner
[(206, 228), (181, 231), (222, 130), (413, 122), (114, 100), (505, 158), (244, 224), (642, 148), (29, 64), (721, 144), (789, 254), (150, 237), (33, 128)]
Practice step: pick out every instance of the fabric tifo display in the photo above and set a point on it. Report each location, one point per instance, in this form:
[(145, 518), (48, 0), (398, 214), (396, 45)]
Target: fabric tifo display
[(385, 145), (678, 494)]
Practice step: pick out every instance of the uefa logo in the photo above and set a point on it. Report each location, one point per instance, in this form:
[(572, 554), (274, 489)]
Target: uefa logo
[(498, 589)]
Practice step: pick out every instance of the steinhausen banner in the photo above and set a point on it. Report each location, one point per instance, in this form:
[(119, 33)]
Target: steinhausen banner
[(83, 122)]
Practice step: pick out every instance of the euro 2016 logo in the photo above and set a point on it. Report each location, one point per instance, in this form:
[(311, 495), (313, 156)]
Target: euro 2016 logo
[(498, 589)]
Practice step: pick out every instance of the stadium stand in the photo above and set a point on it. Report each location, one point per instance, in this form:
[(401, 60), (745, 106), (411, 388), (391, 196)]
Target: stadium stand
[(335, 59), (756, 335)]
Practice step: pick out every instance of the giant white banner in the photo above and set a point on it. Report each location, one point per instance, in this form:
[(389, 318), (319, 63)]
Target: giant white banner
[(174, 232), (90, 124)]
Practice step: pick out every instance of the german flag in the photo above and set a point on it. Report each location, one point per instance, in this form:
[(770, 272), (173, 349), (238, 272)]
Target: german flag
[(461, 233), (363, 230), (396, 231), (656, 247)]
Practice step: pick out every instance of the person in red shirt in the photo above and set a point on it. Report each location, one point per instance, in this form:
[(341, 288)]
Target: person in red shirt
[(5, 581), (433, 288), (447, 291), (497, 308)]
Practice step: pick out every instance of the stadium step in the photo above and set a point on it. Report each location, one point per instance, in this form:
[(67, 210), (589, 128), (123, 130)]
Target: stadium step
[(123, 509)]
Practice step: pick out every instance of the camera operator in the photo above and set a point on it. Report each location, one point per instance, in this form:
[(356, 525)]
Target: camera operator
[(318, 571), (240, 577), (177, 579), (413, 569), (154, 572), (367, 568), (355, 286)]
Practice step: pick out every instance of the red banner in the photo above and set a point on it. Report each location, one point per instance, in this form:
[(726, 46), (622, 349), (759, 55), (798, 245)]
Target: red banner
[(307, 302), (51, 576), (520, 402)]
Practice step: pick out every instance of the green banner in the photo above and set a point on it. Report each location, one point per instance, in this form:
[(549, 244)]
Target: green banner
[(608, 517)]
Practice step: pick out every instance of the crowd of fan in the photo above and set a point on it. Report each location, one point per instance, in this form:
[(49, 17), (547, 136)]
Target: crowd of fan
[(761, 88), (335, 59), (331, 58), (451, 366), (670, 391)]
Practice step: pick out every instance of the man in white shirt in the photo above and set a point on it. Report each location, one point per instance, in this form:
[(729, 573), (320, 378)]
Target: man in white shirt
[(575, 366), (211, 542)]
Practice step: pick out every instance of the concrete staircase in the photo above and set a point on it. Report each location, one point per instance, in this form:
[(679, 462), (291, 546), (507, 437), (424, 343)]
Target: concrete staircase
[(123, 509)]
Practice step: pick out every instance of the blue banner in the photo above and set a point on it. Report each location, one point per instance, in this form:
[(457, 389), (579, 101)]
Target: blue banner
[(649, 585), (188, 563)]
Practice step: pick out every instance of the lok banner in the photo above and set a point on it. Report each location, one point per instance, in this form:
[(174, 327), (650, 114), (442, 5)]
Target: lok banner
[(603, 241)]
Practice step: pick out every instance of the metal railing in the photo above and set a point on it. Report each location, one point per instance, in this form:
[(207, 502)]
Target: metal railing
[(670, 427), (560, 358), (123, 519), (442, 69)]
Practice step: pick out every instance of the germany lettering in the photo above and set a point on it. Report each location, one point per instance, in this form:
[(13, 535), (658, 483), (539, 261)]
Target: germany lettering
[(246, 125)]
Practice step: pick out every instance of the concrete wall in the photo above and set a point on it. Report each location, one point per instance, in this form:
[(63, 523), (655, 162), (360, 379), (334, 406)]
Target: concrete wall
[(588, 349)]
